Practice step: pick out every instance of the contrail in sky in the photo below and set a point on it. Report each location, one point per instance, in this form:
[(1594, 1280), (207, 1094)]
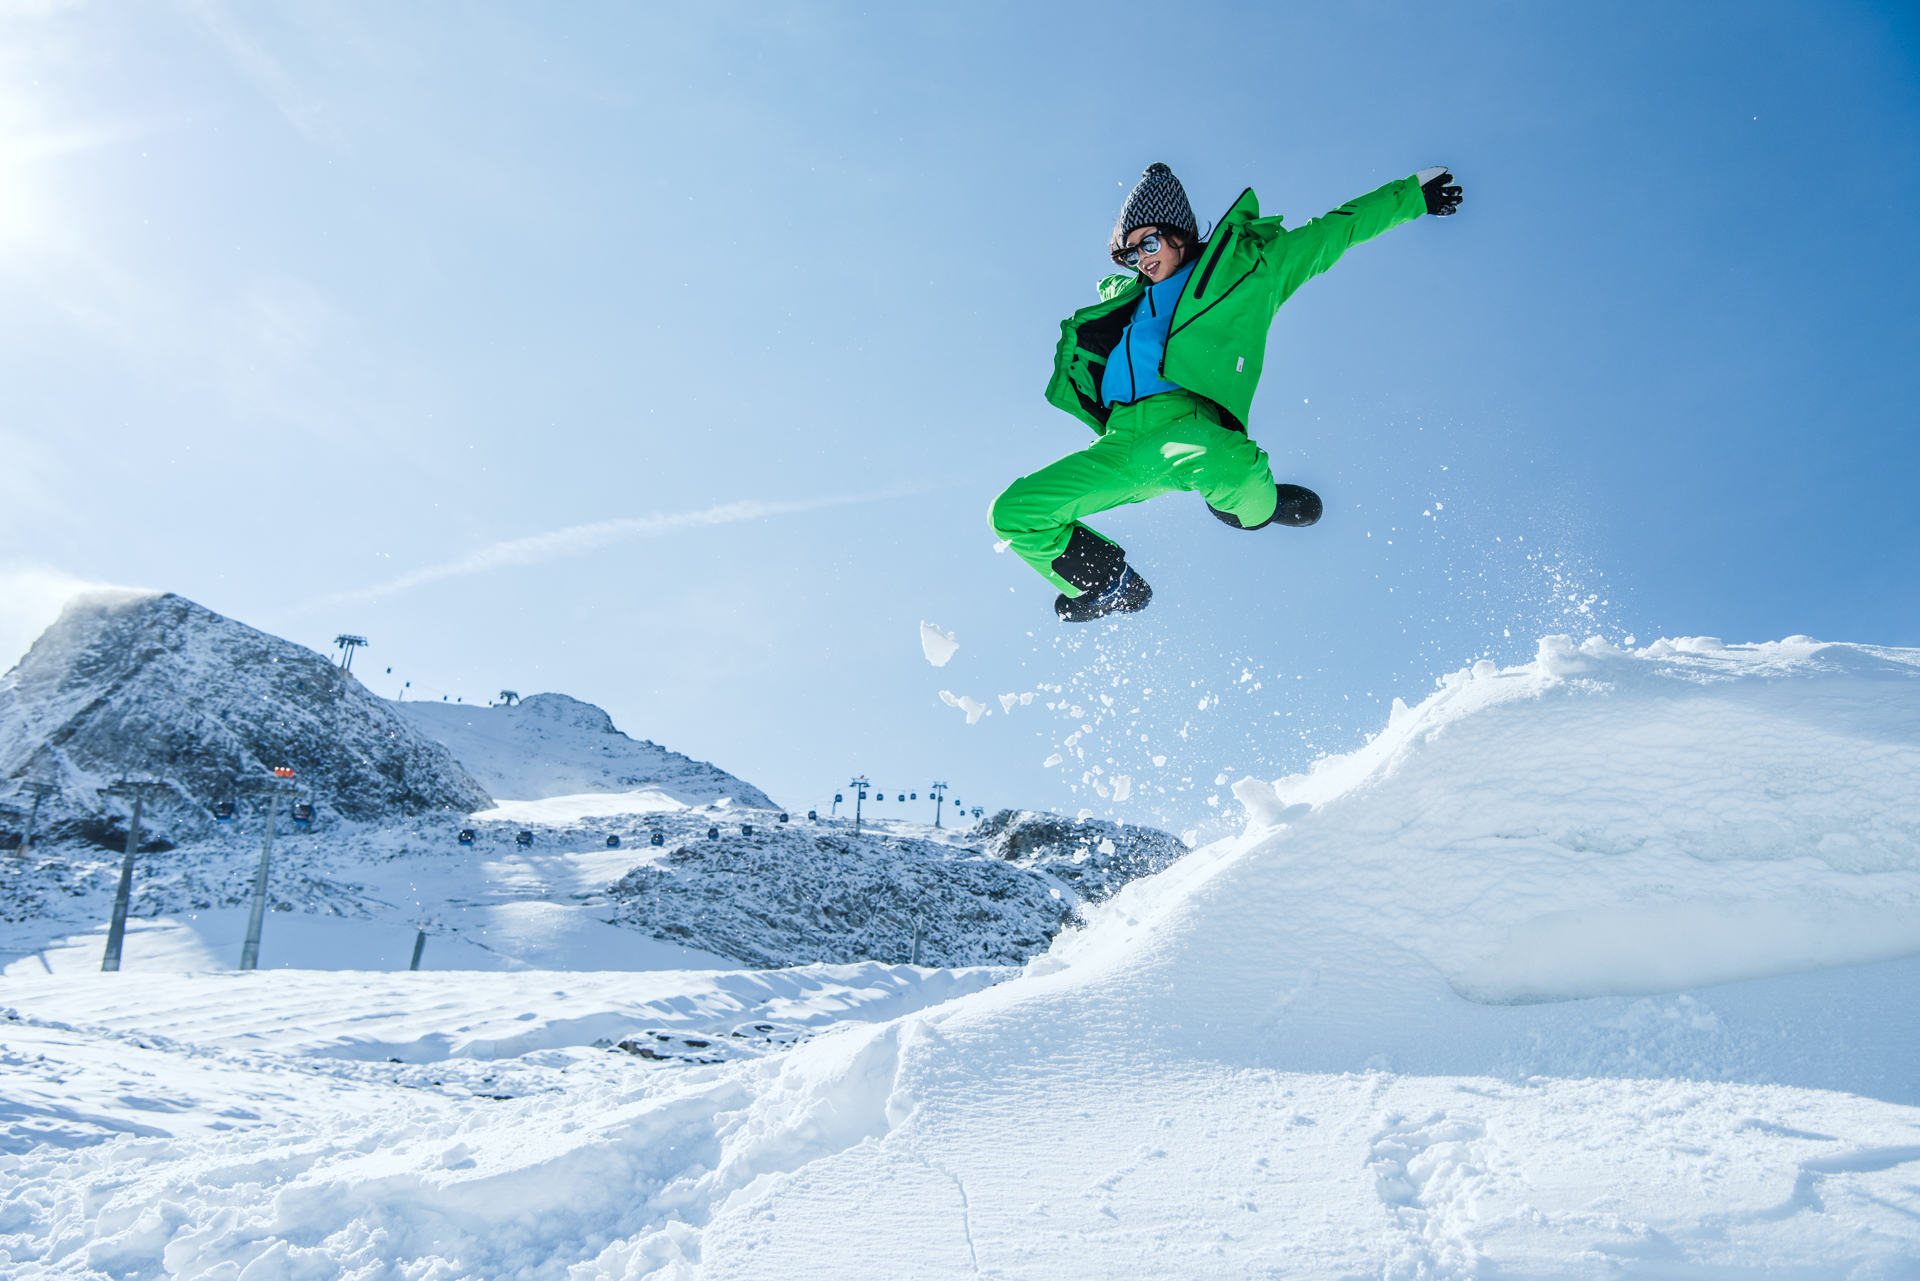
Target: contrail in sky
[(576, 539)]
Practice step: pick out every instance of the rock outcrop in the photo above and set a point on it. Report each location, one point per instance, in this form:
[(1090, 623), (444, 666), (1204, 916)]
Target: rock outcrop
[(1092, 855)]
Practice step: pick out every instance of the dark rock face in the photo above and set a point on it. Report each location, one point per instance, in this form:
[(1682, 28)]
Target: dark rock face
[(156, 686), (792, 895), (1075, 849)]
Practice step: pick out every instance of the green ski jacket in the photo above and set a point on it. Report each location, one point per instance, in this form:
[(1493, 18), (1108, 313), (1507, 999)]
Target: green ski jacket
[(1218, 340)]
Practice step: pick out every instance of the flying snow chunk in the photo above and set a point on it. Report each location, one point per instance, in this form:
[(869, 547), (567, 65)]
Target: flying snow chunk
[(1122, 788), (1026, 699), (1158, 761), (965, 704), (936, 645), (1085, 814), (1264, 806), (1010, 701), (1556, 656), (1106, 845), (1051, 761)]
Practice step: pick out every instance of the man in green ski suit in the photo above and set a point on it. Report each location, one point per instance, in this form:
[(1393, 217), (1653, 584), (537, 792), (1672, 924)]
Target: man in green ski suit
[(1163, 368)]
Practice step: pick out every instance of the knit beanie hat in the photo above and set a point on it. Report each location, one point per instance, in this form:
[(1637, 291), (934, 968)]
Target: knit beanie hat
[(1158, 201)]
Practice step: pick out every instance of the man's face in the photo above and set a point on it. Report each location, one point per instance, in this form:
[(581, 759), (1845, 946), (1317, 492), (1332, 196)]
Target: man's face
[(1157, 266)]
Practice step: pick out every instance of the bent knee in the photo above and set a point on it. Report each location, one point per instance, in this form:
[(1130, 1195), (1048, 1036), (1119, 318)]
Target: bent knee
[(1014, 511)]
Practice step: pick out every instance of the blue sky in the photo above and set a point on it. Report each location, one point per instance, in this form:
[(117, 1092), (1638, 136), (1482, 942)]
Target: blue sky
[(669, 356)]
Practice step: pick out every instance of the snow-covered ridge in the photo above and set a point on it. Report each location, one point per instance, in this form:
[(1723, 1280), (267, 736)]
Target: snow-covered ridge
[(1604, 822), (550, 745)]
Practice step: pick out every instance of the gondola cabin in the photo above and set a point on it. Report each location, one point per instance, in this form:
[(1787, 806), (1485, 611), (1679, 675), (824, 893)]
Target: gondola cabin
[(466, 836), (224, 812)]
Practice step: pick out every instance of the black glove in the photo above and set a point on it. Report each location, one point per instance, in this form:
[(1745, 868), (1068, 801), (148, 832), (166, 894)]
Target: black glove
[(1441, 199)]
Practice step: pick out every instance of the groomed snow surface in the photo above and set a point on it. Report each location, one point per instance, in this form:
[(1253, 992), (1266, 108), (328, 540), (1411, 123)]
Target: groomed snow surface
[(1600, 966)]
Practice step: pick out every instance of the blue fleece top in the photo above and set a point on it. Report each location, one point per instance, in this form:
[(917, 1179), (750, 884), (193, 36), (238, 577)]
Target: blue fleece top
[(1133, 367)]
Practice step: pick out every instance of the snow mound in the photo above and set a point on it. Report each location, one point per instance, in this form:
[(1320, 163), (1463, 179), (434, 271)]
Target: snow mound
[(1605, 823), (550, 745)]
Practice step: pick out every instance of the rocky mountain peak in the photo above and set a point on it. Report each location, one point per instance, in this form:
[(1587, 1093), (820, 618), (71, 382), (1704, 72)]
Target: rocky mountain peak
[(154, 685)]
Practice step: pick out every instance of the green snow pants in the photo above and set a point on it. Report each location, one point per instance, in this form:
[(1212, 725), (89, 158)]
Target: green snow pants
[(1172, 441)]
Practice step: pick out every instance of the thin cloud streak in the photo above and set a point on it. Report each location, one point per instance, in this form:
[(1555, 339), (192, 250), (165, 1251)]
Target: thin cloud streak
[(576, 539)]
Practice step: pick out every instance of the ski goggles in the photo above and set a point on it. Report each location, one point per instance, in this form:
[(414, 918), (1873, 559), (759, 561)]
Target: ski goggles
[(1129, 255)]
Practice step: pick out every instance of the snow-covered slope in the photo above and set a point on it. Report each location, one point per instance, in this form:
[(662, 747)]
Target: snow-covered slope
[(726, 887), (549, 745), (157, 686), (1418, 1021), (217, 1053)]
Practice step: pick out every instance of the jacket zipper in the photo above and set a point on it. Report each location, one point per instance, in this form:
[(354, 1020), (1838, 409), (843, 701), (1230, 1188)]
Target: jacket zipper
[(1215, 303), (1219, 252)]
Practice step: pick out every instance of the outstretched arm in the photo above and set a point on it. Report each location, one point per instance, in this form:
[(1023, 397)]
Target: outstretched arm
[(1301, 253)]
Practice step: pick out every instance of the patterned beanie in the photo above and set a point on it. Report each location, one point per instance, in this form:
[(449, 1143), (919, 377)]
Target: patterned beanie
[(1158, 201)]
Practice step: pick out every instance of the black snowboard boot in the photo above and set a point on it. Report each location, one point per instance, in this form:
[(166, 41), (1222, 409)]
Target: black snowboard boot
[(1099, 569), (1128, 594), (1298, 507)]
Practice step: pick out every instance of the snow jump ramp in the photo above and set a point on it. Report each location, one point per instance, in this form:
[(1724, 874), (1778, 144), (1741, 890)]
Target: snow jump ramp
[(1601, 964)]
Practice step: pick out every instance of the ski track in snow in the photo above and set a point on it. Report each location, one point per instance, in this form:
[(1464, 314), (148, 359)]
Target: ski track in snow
[(1598, 966)]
